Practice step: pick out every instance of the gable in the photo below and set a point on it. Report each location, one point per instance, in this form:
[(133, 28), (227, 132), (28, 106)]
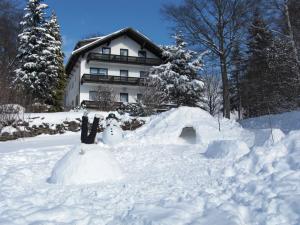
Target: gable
[(124, 42), (134, 38)]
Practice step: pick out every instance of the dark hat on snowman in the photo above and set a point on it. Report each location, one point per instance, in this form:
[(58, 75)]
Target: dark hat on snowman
[(111, 116)]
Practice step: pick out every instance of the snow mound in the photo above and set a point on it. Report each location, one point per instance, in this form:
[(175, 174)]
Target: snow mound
[(93, 166), (286, 122), (227, 149), (267, 137), (167, 127)]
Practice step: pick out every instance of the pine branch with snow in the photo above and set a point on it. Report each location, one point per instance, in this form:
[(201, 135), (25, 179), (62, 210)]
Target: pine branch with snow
[(178, 77)]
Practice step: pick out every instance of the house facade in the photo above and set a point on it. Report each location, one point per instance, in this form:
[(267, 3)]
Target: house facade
[(118, 62)]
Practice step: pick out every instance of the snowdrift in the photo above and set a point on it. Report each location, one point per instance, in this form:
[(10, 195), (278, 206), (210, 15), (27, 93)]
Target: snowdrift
[(94, 165), (188, 125), (227, 149), (286, 122), (168, 127)]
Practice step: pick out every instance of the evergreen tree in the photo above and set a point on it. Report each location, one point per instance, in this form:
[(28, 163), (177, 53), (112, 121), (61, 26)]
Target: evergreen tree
[(177, 77), (37, 72), (284, 70), (235, 79), (257, 92), (58, 91)]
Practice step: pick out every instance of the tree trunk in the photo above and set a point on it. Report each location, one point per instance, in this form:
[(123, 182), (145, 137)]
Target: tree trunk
[(291, 34), (226, 101)]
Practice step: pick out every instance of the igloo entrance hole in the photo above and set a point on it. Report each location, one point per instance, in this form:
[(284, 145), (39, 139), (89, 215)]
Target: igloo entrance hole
[(188, 134)]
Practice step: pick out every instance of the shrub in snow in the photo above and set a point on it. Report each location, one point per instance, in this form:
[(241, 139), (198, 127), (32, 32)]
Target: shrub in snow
[(10, 114), (226, 149), (86, 164), (177, 79)]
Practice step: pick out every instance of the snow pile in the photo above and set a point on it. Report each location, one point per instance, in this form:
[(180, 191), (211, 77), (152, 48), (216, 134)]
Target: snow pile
[(227, 149), (167, 127), (267, 137), (86, 164), (286, 122), (8, 129)]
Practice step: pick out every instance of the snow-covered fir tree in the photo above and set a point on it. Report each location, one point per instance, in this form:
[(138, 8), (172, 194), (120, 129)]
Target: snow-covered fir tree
[(58, 91), (178, 77), (37, 72)]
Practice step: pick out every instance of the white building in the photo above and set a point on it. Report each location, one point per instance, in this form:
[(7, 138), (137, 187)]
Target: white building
[(119, 61)]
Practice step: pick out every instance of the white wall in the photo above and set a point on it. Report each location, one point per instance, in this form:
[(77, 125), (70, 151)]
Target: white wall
[(117, 89), (114, 68), (124, 42), (74, 86)]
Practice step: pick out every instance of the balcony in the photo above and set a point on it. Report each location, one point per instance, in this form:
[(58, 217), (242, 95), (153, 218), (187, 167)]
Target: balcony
[(123, 59), (91, 78), (97, 105)]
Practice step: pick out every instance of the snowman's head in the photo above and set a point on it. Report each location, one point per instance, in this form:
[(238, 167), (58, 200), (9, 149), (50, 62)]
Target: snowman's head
[(111, 116), (112, 120)]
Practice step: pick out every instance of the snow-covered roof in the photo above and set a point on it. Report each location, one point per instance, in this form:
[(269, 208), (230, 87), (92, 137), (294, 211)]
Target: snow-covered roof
[(91, 43)]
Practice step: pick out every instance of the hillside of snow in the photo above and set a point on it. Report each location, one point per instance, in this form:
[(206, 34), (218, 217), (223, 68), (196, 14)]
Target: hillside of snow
[(208, 174)]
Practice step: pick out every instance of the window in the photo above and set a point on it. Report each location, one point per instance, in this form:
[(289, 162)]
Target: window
[(92, 95), (123, 97), (77, 100), (139, 97), (143, 74), (106, 50), (142, 54), (123, 52), (124, 73), (99, 71)]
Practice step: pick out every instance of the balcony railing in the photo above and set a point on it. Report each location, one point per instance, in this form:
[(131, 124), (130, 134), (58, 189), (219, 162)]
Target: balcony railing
[(92, 78), (123, 59), (100, 106)]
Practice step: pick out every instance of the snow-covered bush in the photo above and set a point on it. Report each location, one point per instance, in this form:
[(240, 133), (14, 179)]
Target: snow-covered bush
[(177, 78), (133, 109)]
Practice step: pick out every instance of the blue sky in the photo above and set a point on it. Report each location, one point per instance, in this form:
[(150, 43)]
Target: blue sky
[(81, 18)]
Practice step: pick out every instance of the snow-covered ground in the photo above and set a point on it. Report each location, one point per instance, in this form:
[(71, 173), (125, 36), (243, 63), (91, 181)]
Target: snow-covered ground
[(227, 177)]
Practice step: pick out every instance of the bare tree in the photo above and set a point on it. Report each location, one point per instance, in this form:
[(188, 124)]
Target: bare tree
[(105, 98), (212, 93), (215, 25), (152, 98)]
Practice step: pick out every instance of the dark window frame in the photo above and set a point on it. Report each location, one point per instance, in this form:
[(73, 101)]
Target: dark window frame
[(106, 48), (126, 94), (126, 50), (144, 55), (98, 71), (139, 96), (123, 71), (145, 74)]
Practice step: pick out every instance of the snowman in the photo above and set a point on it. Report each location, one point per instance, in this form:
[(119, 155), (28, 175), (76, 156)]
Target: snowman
[(113, 133)]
